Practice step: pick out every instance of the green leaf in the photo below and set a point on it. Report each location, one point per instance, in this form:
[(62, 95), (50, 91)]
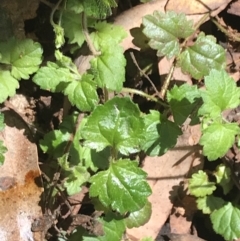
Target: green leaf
[(107, 34), (224, 178), (183, 101), (118, 124), (157, 134), (122, 187), (99, 9), (205, 55), (52, 77), (55, 141), (3, 150), (8, 85), (74, 6), (199, 185), (83, 93), (74, 180), (147, 239), (109, 68), (24, 55), (218, 138), (221, 93), (209, 203), (59, 36), (2, 124), (226, 221), (140, 217), (72, 24), (165, 30)]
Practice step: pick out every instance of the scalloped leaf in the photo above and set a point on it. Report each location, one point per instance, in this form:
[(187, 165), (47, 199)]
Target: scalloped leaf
[(118, 124), (122, 187), (140, 217), (209, 203), (218, 138), (221, 93), (72, 24), (52, 77), (165, 30), (224, 178), (183, 101), (157, 128), (199, 185), (8, 85), (99, 9), (226, 221), (83, 93), (23, 55), (109, 67), (198, 60)]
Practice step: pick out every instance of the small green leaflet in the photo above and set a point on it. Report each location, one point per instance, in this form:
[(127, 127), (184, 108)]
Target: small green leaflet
[(203, 56), (118, 124), (199, 185), (83, 93), (109, 67), (74, 6), (221, 93), (183, 101), (8, 85), (218, 138), (223, 176), (165, 30), (157, 134), (226, 221), (122, 187), (140, 217), (24, 56), (99, 9), (3, 150), (2, 124), (209, 203), (107, 34), (113, 228), (72, 24), (52, 77), (75, 179)]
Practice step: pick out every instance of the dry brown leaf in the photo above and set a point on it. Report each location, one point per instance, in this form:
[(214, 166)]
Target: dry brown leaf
[(19, 193), (164, 175), (195, 6)]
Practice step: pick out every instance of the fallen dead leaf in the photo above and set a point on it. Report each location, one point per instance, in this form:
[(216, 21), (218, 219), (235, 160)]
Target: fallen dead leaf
[(19, 190)]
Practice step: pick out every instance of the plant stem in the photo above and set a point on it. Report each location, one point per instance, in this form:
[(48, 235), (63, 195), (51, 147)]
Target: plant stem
[(141, 93), (167, 81), (87, 36), (53, 12)]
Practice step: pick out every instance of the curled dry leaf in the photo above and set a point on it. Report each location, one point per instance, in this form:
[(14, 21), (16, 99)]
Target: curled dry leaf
[(20, 185)]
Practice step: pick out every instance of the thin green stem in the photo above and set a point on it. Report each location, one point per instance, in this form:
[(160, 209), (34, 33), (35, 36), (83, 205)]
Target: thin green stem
[(141, 93), (87, 36), (53, 12)]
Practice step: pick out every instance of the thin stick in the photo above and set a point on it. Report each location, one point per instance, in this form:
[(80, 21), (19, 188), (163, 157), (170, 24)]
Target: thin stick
[(167, 81), (141, 93), (87, 36), (143, 73)]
